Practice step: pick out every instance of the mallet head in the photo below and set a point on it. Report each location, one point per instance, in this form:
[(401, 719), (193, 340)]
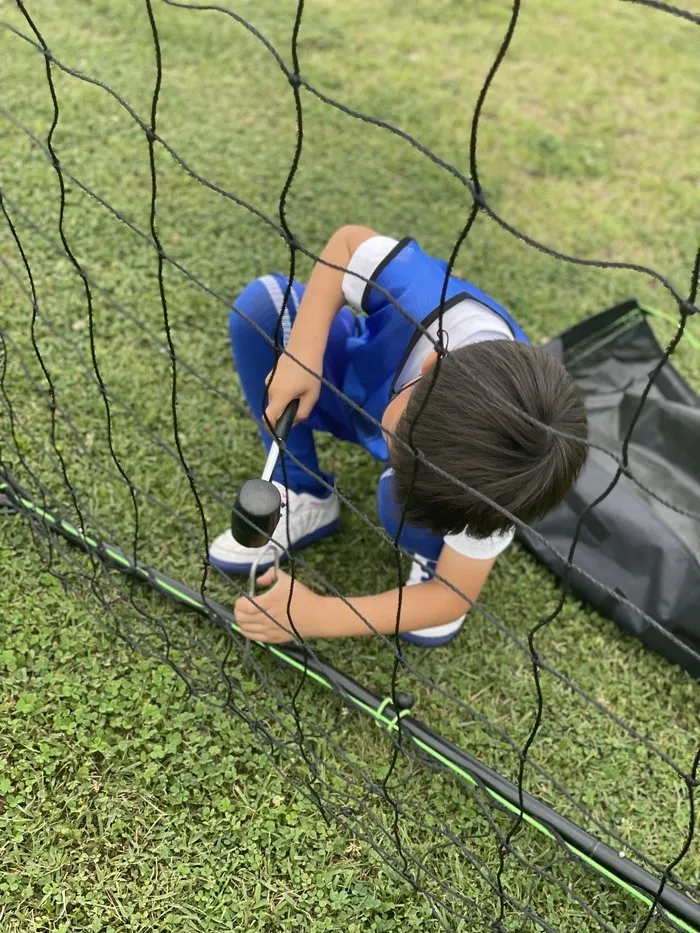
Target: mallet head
[(256, 513), (258, 507)]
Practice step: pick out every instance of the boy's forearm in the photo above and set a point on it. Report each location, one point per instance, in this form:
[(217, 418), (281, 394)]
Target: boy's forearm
[(422, 606), (323, 296)]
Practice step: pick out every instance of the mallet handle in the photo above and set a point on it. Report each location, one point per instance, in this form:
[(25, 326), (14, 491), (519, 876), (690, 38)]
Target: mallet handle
[(282, 429)]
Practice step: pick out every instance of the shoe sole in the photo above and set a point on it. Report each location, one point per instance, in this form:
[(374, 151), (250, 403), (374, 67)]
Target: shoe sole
[(415, 639), (242, 569)]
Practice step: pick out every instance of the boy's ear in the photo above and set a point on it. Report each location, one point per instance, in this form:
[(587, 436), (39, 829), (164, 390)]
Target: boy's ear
[(428, 363)]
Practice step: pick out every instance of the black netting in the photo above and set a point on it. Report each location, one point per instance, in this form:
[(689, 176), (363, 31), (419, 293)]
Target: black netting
[(523, 828)]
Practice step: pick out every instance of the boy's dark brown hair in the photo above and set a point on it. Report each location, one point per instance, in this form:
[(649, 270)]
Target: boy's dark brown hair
[(478, 425)]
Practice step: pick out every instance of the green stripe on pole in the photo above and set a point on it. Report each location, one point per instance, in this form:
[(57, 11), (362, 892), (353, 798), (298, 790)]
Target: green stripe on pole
[(688, 335)]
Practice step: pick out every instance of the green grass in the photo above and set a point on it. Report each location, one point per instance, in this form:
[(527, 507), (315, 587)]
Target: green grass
[(126, 805)]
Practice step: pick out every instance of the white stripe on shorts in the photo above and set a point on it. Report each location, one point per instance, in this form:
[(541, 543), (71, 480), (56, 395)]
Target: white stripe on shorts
[(277, 295)]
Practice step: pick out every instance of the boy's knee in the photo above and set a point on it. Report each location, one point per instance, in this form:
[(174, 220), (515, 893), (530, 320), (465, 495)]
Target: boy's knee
[(419, 540), (387, 506), (252, 311)]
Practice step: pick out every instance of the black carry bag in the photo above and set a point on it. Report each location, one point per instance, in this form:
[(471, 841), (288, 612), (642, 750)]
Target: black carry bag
[(631, 544)]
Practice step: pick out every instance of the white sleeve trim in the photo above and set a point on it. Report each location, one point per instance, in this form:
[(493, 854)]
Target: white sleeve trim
[(364, 262), (480, 548)]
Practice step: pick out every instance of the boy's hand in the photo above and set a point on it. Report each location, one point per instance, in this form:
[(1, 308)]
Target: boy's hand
[(290, 381), (254, 624)]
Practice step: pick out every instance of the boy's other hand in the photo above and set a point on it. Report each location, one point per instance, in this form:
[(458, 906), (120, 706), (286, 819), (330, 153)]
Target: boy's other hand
[(289, 381), (274, 627)]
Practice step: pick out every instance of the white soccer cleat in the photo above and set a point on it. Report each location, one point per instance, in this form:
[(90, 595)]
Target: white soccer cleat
[(310, 519), (422, 570)]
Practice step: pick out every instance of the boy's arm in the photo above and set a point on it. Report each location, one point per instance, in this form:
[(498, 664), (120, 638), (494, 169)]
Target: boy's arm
[(315, 616), (322, 300)]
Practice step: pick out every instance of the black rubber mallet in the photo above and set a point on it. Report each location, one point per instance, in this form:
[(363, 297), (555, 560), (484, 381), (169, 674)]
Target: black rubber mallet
[(258, 506)]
